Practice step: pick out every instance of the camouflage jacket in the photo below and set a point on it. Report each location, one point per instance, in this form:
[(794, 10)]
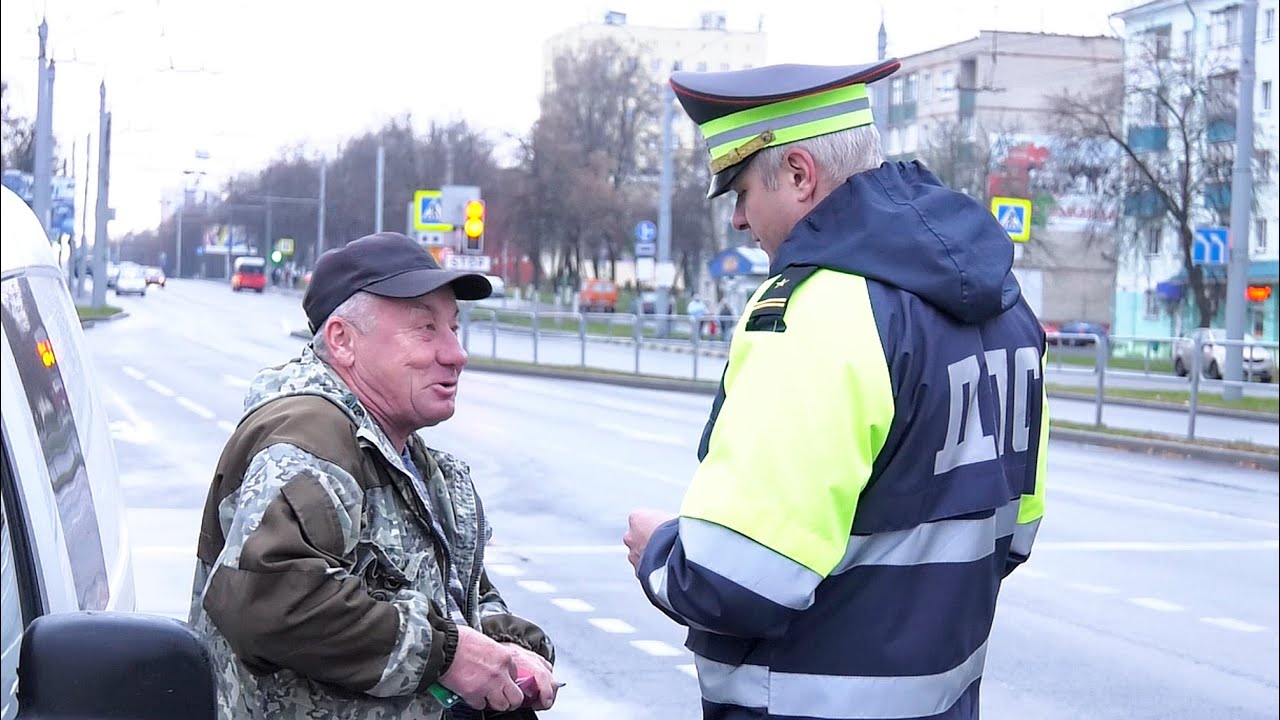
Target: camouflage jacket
[(329, 580)]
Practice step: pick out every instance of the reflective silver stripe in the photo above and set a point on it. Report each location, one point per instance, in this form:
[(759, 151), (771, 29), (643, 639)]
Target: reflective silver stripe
[(943, 541), (786, 121), (747, 563), (658, 586), (837, 696), (1023, 537)]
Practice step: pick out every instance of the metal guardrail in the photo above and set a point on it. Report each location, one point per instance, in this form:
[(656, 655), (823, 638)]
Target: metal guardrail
[(679, 331)]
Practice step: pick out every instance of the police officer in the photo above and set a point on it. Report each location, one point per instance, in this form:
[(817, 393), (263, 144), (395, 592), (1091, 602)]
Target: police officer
[(874, 462)]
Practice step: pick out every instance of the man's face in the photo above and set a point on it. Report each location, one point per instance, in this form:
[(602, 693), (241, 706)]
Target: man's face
[(410, 359), (769, 215)]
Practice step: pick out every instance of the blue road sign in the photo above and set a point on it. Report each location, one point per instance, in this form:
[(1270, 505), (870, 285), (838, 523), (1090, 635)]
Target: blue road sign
[(428, 212), (646, 249), (1014, 215), (1209, 247), (646, 231)]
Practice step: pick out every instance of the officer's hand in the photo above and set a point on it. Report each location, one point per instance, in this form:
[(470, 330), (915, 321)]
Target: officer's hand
[(640, 527), (483, 673), (533, 674)]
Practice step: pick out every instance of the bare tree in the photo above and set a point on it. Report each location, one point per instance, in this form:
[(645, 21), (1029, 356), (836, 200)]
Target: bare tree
[(958, 156), (1172, 120)]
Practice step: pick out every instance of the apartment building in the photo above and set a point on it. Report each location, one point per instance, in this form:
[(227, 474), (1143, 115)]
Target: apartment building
[(979, 114), (1203, 39)]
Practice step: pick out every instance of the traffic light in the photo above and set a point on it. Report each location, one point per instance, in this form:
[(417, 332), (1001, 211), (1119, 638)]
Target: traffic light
[(473, 225), (276, 256)]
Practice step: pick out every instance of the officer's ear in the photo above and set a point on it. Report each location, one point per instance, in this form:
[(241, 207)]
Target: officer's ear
[(800, 174)]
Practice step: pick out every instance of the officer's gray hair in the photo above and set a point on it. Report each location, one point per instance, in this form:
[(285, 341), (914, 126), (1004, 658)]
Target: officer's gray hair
[(361, 310), (838, 155)]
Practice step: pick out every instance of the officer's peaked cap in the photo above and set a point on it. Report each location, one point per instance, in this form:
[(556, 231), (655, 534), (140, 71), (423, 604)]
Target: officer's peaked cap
[(741, 112)]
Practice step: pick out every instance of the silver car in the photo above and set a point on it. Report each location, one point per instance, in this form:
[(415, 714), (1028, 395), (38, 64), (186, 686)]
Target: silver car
[(1258, 362)]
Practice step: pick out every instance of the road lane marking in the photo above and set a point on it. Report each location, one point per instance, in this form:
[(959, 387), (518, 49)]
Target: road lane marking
[(612, 549), (690, 670), (1161, 505), (656, 648), (235, 382), (504, 570), (1091, 588), (537, 586), (1233, 624), (612, 625), (1156, 604), (1146, 546), (196, 408), (132, 372), (1031, 573), (162, 389), (643, 436), (664, 478), (572, 604), (226, 426)]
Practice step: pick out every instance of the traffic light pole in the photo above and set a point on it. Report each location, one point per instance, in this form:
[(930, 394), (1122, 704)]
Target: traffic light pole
[(662, 301), (1241, 200)]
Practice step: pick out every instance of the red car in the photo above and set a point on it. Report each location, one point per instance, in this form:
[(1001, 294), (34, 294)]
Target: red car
[(249, 273)]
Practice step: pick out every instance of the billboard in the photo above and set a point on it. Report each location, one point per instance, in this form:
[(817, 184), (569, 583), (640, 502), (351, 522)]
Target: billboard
[(62, 199), (217, 238), (1064, 178)]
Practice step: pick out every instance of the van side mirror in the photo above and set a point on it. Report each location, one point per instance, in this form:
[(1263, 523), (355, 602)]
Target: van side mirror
[(114, 666)]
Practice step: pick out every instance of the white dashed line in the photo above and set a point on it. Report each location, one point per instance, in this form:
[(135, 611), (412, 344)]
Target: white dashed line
[(226, 426), (1031, 573), (657, 648), (537, 586), (162, 389), (573, 605), (132, 372), (196, 408), (1156, 604), (504, 570), (1091, 588), (612, 625), (235, 382), (690, 670), (1233, 624)]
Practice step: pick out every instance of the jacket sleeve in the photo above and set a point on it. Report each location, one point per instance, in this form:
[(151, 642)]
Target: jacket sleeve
[(769, 510), (497, 622), (1031, 505), (283, 595)]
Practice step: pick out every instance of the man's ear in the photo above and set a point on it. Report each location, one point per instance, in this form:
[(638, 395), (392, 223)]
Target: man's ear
[(800, 174), (340, 338)]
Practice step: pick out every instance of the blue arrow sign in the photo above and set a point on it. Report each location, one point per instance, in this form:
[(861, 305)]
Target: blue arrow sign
[(646, 231), (1209, 247)]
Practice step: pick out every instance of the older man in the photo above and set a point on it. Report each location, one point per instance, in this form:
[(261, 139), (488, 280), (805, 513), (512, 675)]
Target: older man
[(340, 567), (874, 461)]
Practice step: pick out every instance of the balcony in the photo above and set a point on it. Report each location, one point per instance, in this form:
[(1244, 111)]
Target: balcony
[(902, 114), (968, 103), (1220, 130), (1152, 138), (1217, 196), (1143, 204)]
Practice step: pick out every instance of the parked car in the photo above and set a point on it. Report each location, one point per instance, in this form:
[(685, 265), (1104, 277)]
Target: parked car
[(1081, 327), (1258, 362), (155, 276), (1051, 331), (132, 281), (498, 284), (249, 273), (598, 296), (66, 571)]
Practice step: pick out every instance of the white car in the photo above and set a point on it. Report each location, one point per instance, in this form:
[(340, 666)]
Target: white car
[(1257, 362), (66, 571), (132, 280), (498, 284)]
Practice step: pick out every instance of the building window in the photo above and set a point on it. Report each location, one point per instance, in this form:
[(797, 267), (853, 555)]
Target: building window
[(1153, 240), (1189, 43), (947, 82), (1262, 166), (1264, 95), (1260, 236), (1269, 24), (1160, 40), (1225, 26), (1152, 309)]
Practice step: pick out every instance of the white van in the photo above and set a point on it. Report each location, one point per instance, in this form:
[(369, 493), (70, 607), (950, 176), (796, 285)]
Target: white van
[(69, 644)]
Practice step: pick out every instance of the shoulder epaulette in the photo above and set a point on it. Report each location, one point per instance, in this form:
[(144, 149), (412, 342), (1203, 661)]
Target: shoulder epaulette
[(766, 313)]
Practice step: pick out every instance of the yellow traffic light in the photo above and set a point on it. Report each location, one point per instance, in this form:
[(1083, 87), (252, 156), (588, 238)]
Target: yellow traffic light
[(473, 223)]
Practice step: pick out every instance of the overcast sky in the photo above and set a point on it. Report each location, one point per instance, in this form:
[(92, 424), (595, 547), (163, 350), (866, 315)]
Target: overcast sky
[(240, 79)]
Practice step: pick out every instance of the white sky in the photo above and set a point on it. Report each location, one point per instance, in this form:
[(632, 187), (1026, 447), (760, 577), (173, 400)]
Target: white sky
[(253, 76)]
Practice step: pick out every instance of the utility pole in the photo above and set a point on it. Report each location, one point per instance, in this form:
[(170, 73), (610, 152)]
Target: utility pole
[(1241, 200), (41, 171), (381, 170), (324, 165), (82, 256), (177, 235), (662, 301), (102, 211)]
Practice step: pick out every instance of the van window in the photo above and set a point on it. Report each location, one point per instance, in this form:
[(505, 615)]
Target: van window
[(36, 356), (19, 599)]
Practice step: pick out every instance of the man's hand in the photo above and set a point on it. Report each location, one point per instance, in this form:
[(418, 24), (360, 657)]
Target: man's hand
[(483, 673), (540, 688), (640, 526)]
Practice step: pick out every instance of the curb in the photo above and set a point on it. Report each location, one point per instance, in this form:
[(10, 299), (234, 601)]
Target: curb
[(90, 322)]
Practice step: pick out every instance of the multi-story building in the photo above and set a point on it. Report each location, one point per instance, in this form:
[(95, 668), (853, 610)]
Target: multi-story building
[(1199, 40), (979, 113)]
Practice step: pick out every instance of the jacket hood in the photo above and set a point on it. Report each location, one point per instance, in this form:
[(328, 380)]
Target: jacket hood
[(899, 225)]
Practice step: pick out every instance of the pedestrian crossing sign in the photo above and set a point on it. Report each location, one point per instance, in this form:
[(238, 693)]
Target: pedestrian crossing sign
[(428, 213), (1014, 215)]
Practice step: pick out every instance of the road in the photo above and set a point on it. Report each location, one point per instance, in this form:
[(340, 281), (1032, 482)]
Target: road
[(1152, 592)]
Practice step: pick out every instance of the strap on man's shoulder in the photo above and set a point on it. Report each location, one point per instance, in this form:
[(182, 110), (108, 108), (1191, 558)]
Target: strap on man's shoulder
[(766, 313)]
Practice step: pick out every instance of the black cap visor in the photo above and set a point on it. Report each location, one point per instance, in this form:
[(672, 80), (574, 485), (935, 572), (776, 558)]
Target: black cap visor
[(415, 283), (721, 181)]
